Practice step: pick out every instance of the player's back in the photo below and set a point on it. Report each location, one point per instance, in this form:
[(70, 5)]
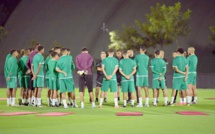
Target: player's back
[(52, 65), (109, 63), (12, 66), (22, 64), (142, 61), (180, 62), (192, 62), (37, 60), (127, 65), (158, 64), (64, 63)]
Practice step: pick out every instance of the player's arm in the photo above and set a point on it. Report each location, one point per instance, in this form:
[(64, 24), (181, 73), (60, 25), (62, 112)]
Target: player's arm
[(60, 71), (152, 68), (178, 71), (90, 63), (103, 70), (38, 70), (122, 73), (99, 68), (114, 71), (10, 71)]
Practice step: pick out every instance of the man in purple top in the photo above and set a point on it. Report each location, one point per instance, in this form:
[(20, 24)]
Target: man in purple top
[(84, 62), (28, 64)]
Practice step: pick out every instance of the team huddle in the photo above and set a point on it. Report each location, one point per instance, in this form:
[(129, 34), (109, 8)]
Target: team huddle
[(124, 73)]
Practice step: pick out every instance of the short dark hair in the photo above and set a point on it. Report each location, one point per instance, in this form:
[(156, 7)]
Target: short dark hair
[(12, 51), (110, 51), (118, 50), (157, 52), (30, 49), (180, 50), (124, 52), (40, 48), (53, 54), (68, 49), (50, 51), (35, 45), (55, 48), (63, 49), (84, 49), (143, 48)]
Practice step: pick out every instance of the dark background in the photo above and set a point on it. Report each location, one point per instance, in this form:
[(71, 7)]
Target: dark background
[(77, 23)]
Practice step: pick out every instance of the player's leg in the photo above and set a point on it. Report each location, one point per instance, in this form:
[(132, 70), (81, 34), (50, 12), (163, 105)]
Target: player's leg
[(155, 91), (97, 93), (81, 89), (164, 90), (125, 87), (8, 94), (131, 89), (173, 96), (158, 93), (114, 89), (140, 104), (105, 87), (145, 85), (89, 83)]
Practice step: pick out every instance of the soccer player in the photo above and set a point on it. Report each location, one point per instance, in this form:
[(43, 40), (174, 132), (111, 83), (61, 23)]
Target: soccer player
[(71, 97), (158, 67), (180, 68), (25, 78), (192, 62), (53, 84), (109, 68), (118, 75), (127, 68), (84, 62), (11, 75), (38, 75), (28, 64), (47, 77), (100, 76), (63, 67), (131, 55), (142, 61)]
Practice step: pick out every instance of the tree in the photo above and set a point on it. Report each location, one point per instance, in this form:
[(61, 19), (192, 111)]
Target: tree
[(212, 36), (128, 38), (3, 33), (164, 25)]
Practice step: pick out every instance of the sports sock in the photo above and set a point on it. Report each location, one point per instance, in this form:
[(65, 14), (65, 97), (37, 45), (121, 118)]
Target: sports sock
[(93, 104), (185, 100), (132, 102), (82, 104), (165, 100), (181, 100), (125, 102), (13, 101), (35, 101), (116, 102), (39, 101), (53, 102), (8, 101), (23, 100), (147, 101), (172, 100), (154, 101), (64, 103), (189, 98), (195, 99), (101, 101), (140, 101)]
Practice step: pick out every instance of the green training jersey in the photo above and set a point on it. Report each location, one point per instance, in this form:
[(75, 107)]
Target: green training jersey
[(46, 65), (38, 60), (12, 67), (64, 63), (192, 62), (158, 66), (52, 68), (5, 64), (142, 61), (127, 66), (109, 64), (72, 64), (22, 65), (180, 62)]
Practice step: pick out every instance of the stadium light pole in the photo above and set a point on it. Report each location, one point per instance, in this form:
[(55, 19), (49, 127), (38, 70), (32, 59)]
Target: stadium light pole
[(105, 29)]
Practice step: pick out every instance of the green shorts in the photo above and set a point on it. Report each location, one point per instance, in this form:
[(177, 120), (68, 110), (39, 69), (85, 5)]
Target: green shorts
[(112, 84), (20, 81), (127, 86), (12, 83), (25, 82), (179, 84), (156, 83), (53, 83), (39, 82), (191, 78), (66, 85), (47, 82), (142, 81)]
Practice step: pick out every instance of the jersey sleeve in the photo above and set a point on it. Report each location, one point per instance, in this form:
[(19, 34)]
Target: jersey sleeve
[(41, 60), (174, 63)]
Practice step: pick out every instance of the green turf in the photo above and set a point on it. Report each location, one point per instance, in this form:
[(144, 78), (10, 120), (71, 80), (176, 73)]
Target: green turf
[(155, 120)]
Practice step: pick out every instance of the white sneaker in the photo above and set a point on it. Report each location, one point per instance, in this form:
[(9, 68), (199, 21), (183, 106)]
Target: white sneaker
[(146, 105), (66, 107), (139, 105), (39, 106), (75, 106), (82, 106), (93, 106)]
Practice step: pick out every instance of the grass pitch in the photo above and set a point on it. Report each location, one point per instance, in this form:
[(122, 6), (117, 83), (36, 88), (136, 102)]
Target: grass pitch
[(155, 120)]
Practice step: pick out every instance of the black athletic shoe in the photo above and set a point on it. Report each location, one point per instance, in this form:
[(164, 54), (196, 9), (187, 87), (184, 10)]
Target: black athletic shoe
[(105, 100), (97, 100), (60, 104), (124, 106), (90, 100), (118, 99), (20, 101), (129, 101), (132, 105)]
